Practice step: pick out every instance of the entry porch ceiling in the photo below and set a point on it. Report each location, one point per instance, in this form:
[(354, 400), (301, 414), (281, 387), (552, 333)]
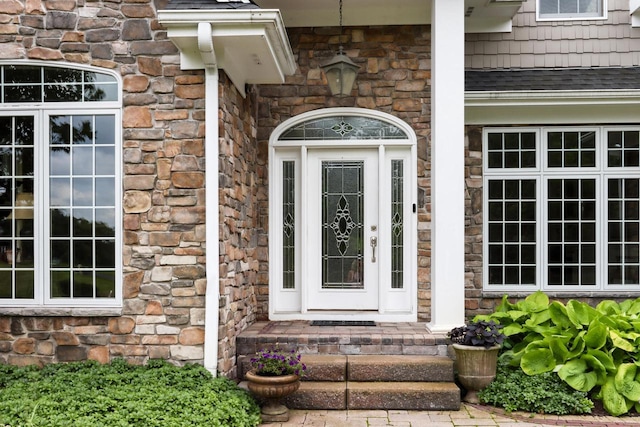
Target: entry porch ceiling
[(480, 15)]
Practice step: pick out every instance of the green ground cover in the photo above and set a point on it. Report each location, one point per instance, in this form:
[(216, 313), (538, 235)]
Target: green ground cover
[(87, 394)]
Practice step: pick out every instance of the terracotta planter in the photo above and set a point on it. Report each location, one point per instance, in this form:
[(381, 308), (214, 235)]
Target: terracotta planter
[(271, 390), (476, 368)]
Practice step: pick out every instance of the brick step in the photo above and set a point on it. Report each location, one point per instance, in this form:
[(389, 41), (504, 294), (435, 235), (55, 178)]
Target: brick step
[(400, 368), (420, 396), (336, 367), (325, 367), (376, 382)]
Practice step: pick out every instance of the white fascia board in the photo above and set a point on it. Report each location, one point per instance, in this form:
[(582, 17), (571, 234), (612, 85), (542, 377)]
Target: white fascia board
[(552, 107)]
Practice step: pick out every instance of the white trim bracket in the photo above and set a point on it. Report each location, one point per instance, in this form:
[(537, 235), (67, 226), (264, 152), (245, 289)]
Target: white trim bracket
[(205, 45)]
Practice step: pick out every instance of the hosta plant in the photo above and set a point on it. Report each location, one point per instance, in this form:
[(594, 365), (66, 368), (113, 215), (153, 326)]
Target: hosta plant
[(593, 349)]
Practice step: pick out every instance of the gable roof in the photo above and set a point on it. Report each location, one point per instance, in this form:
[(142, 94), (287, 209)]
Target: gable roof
[(552, 79), (211, 4)]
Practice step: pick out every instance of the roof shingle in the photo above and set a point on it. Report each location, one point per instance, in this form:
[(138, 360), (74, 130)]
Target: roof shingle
[(211, 4), (552, 79)]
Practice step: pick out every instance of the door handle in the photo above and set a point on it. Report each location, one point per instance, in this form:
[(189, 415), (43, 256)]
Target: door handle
[(374, 243)]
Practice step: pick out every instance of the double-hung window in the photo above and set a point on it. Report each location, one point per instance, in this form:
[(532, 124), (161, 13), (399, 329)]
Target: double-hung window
[(59, 187), (562, 209), (571, 9)]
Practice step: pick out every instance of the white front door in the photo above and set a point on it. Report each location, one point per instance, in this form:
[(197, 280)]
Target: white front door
[(343, 229), (342, 217)]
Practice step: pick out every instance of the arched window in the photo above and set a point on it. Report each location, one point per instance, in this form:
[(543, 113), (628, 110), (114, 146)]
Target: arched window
[(343, 127), (60, 183)]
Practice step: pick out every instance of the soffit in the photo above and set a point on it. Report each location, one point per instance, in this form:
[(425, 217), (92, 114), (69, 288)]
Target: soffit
[(480, 15)]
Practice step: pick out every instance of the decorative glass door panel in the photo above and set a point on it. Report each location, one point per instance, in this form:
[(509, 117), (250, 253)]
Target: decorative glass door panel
[(342, 227), (344, 216)]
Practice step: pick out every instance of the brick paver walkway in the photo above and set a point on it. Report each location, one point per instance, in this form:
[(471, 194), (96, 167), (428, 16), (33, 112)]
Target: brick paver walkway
[(469, 415)]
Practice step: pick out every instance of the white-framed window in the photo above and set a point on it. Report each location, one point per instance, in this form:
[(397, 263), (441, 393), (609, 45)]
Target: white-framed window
[(571, 9), (60, 180), (562, 209)]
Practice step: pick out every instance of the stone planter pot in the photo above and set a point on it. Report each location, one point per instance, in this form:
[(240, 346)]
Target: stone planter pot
[(270, 389), (476, 368)]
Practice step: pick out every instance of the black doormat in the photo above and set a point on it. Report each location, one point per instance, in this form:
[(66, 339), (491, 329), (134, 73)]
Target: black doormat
[(343, 323)]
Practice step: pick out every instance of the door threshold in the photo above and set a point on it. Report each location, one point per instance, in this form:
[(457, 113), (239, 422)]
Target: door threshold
[(360, 316), (343, 323)]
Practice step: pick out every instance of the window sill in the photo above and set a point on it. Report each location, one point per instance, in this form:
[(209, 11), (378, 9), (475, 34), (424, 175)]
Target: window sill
[(61, 312), (565, 294), (570, 18)]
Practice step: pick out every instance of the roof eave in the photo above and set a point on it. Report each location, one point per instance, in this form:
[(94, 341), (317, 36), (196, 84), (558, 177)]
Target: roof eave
[(552, 107), (251, 45)]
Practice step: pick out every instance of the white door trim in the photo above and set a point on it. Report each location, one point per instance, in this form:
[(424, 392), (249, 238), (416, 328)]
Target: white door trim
[(395, 304)]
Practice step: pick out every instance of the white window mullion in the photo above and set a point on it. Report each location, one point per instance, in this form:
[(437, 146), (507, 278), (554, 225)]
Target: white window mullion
[(41, 209)]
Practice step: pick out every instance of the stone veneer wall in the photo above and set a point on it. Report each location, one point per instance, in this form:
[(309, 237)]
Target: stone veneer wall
[(164, 197), (394, 77), (240, 254), (474, 303)]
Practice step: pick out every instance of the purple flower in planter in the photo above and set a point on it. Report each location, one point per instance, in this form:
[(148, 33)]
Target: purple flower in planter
[(276, 361)]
